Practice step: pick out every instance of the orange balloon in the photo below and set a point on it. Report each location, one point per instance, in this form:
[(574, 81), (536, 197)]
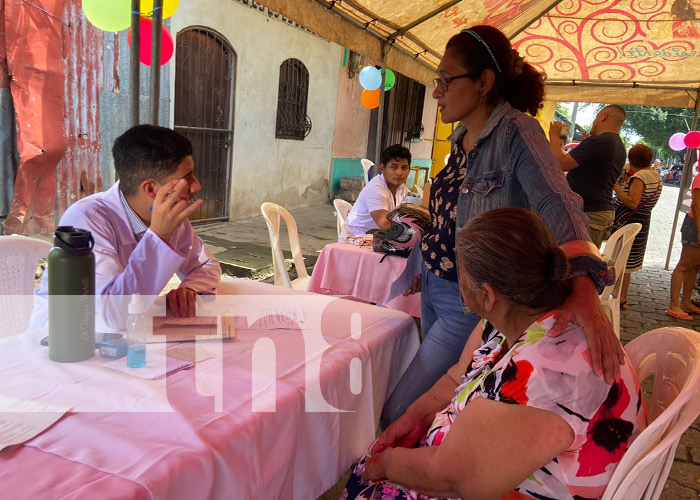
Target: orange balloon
[(370, 98)]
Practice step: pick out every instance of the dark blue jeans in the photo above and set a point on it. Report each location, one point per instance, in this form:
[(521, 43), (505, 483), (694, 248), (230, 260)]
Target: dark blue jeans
[(446, 328)]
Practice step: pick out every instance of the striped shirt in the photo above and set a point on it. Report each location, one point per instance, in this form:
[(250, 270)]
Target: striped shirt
[(138, 227)]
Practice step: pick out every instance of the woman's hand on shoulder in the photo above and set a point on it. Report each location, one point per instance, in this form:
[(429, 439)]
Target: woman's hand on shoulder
[(583, 308)]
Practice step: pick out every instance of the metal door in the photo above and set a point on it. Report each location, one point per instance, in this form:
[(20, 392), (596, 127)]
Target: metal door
[(204, 98)]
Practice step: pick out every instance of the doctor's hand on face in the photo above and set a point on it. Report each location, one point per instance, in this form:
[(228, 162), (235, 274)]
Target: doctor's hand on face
[(171, 207)]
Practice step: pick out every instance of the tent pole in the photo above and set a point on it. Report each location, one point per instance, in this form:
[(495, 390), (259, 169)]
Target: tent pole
[(572, 132), (682, 187), (155, 59), (380, 118), (134, 81)]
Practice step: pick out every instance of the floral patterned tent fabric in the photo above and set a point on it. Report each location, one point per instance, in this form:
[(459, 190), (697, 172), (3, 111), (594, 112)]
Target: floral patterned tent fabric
[(625, 51), (647, 51)]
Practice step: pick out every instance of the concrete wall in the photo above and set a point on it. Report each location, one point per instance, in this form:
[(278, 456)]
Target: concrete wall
[(291, 173), (351, 117), (424, 149), (115, 100), (352, 126)]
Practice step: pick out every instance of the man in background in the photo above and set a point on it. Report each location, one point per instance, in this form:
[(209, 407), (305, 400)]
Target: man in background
[(384, 193), (593, 167)]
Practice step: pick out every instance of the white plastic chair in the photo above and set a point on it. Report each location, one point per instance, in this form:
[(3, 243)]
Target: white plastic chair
[(672, 356), (366, 166), (419, 190), (617, 249), (342, 208), (273, 213), (19, 258)]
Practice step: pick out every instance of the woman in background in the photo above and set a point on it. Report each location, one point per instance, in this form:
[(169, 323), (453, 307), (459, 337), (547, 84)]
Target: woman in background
[(684, 275), (635, 200)]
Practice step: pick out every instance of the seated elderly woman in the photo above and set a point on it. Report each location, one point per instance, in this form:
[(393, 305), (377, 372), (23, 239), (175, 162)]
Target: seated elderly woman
[(521, 415)]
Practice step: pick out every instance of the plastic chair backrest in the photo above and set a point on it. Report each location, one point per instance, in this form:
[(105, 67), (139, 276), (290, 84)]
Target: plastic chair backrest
[(366, 166), (342, 208), (273, 213), (672, 356), (19, 258), (617, 249)]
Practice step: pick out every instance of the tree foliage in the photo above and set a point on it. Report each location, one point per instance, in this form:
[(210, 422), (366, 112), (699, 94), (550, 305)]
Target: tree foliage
[(655, 125), (563, 110)]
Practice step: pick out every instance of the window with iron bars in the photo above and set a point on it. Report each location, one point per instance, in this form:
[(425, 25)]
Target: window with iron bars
[(292, 121)]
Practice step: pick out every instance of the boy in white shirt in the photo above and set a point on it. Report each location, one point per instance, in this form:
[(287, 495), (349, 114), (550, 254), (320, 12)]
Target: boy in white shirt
[(384, 193)]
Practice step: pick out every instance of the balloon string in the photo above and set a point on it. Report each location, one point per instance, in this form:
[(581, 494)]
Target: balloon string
[(150, 14), (48, 13)]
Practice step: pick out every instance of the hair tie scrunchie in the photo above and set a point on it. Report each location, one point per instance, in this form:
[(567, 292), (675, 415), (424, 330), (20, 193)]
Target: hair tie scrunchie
[(555, 265), (486, 46), (518, 62), (549, 263)]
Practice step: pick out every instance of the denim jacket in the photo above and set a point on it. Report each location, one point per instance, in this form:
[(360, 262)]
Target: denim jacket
[(512, 165)]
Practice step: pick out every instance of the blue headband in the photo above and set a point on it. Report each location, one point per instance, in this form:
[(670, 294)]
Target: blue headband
[(486, 46)]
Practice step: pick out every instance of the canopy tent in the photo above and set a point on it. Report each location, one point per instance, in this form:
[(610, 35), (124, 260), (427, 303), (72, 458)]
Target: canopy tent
[(619, 51), (635, 52), (640, 52)]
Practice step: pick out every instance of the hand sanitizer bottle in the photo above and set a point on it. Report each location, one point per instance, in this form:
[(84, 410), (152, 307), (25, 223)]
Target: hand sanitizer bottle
[(136, 333)]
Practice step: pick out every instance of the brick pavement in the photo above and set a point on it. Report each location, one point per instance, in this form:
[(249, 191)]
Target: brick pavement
[(647, 299)]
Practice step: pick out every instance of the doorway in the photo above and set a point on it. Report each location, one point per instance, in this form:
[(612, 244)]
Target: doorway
[(204, 110)]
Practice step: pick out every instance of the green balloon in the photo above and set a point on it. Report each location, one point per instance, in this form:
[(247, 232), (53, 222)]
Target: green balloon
[(108, 15), (389, 80)]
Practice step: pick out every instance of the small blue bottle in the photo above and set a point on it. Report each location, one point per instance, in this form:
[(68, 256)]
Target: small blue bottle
[(136, 333)]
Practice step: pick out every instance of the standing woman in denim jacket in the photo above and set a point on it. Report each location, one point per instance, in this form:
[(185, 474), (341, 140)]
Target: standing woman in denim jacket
[(500, 158)]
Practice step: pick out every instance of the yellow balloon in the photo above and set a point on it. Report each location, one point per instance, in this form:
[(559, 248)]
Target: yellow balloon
[(169, 7), (108, 16)]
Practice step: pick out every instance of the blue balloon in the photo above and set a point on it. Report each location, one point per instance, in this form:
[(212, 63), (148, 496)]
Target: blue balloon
[(370, 78)]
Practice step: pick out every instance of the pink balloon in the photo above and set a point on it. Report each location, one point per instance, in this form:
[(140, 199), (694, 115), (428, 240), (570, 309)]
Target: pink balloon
[(677, 141), (692, 139), (167, 47)]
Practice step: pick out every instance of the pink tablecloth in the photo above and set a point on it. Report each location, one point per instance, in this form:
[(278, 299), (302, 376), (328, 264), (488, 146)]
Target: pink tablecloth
[(230, 427), (345, 269)]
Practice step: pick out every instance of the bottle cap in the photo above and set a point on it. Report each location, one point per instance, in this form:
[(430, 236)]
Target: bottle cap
[(136, 306), (73, 240)]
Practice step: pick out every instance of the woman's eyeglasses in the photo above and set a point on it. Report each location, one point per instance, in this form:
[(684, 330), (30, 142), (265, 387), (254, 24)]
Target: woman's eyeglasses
[(441, 83)]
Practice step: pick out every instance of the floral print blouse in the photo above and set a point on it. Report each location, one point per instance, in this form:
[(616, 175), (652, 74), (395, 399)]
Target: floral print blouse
[(439, 241), (553, 374)]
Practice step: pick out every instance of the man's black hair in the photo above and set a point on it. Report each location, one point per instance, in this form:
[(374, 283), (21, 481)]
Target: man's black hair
[(148, 152), (395, 151)]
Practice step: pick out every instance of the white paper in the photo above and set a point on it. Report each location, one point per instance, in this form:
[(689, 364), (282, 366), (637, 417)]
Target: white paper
[(21, 420), (271, 318), (186, 352), (414, 267), (156, 367)]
